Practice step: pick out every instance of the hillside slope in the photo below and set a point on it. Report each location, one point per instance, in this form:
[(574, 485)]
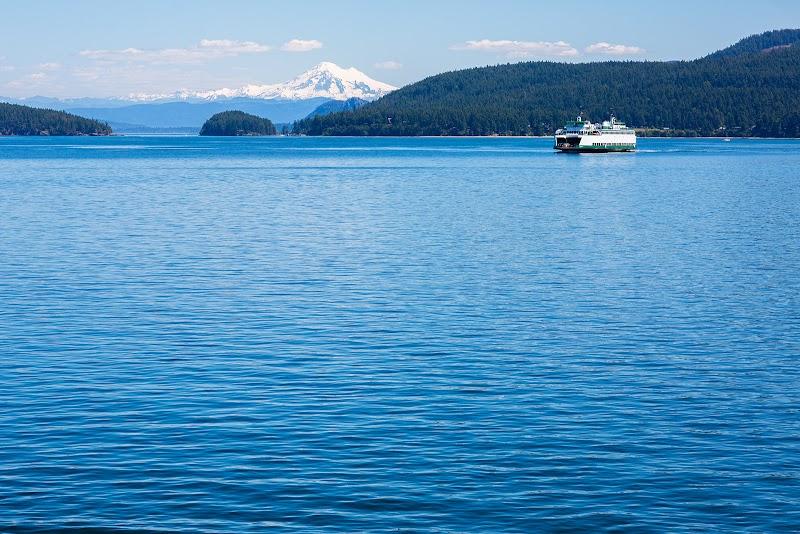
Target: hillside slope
[(25, 120), (333, 106), (742, 90)]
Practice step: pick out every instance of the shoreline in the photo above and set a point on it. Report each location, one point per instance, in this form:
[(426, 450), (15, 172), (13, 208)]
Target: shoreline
[(177, 134)]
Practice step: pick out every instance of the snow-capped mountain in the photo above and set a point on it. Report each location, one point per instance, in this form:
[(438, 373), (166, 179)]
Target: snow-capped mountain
[(326, 80), (281, 103)]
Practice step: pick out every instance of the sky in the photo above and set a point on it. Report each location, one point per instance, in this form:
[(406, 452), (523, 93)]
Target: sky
[(92, 48)]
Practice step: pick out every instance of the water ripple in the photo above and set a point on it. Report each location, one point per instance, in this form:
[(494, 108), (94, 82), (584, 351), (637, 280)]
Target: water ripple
[(447, 335)]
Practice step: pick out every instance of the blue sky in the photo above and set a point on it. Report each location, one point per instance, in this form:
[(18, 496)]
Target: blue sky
[(104, 48)]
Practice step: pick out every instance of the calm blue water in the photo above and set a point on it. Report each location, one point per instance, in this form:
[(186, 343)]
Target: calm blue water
[(448, 335)]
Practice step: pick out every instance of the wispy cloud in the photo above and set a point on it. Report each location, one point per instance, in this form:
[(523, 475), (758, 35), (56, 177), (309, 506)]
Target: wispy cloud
[(613, 49), (301, 45), (49, 66), (4, 67), (89, 74), (32, 80), (388, 65), (230, 47), (205, 50), (519, 49)]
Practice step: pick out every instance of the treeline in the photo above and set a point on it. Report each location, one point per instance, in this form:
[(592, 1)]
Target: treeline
[(762, 42), (24, 120), (237, 123), (751, 88)]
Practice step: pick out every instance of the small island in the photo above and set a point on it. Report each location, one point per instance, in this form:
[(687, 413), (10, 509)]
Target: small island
[(232, 123), (24, 120)]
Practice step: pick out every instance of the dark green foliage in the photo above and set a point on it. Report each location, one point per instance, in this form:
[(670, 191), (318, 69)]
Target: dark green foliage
[(237, 123), (737, 91), (24, 120), (766, 42)]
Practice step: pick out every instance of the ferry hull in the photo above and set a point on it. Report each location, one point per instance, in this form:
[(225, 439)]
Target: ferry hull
[(596, 143), (588, 149)]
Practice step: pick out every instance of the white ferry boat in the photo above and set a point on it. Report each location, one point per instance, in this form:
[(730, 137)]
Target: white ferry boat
[(583, 136)]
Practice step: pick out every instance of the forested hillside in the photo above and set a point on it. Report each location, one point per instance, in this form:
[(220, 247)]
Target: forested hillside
[(24, 120), (237, 123), (751, 88)]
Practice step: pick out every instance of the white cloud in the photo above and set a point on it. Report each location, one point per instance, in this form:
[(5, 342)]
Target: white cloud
[(5, 67), (207, 49), (388, 65), (519, 49), (613, 49), (31, 80), (230, 47), (301, 45), (49, 66)]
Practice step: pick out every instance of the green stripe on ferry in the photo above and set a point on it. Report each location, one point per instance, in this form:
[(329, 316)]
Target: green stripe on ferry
[(605, 147)]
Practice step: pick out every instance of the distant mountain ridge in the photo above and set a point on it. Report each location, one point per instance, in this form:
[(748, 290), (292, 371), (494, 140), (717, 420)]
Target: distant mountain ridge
[(333, 106), (749, 89), (282, 103), (168, 115), (325, 80)]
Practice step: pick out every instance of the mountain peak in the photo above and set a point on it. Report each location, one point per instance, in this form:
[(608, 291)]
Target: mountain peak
[(336, 70), (328, 66), (324, 80), (329, 80)]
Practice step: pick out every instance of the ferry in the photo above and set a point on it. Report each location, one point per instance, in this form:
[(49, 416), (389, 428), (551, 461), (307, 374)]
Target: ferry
[(583, 136)]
